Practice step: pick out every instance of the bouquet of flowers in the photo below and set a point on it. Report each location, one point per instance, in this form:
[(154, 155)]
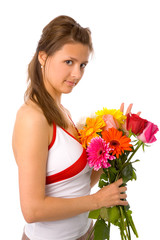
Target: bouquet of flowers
[(111, 139)]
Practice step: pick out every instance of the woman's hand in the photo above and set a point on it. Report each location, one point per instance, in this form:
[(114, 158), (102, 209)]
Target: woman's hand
[(111, 195), (128, 109)]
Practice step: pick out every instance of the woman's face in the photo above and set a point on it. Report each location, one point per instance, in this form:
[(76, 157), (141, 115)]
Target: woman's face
[(65, 68)]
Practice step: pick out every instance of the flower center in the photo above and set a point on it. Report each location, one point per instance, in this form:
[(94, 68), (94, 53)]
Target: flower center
[(100, 152), (114, 143)]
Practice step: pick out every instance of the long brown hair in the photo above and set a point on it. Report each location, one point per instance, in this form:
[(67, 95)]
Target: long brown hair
[(58, 32)]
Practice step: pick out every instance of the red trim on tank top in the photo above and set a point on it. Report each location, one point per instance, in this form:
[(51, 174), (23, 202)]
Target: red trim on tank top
[(69, 172), (54, 136), (74, 125), (70, 135)]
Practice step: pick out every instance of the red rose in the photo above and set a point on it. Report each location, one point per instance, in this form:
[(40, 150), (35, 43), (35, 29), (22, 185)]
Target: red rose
[(135, 123)]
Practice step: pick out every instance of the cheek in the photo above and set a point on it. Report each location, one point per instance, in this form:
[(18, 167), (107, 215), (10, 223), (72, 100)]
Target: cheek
[(53, 74)]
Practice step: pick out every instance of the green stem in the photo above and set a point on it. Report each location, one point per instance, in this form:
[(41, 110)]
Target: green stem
[(117, 177), (133, 226), (121, 235), (109, 224), (135, 150), (109, 227), (122, 223), (109, 177), (91, 233), (124, 226), (127, 221), (126, 163)]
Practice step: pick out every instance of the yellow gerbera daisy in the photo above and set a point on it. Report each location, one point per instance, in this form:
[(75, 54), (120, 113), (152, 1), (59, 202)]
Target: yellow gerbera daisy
[(91, 129), (117, 114)]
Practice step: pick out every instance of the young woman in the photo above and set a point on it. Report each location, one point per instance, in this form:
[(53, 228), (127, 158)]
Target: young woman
[(54, 178)]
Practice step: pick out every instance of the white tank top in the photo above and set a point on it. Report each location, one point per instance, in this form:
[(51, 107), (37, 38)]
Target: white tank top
[(67, 176)]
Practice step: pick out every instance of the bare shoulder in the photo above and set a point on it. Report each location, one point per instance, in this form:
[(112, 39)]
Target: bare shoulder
[(30, 112), (30, 117), (31, 129)]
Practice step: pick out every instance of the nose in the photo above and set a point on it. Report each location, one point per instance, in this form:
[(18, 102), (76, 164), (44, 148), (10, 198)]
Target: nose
[(76, 72)]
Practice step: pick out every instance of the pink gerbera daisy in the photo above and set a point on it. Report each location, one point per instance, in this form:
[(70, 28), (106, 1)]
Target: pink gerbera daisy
[(98, 153)]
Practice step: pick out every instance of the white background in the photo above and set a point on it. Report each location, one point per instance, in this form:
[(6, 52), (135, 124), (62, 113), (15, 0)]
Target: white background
[(125, 68)]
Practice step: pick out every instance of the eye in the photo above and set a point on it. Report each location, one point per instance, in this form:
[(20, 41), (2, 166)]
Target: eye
[(83, 65), (69, 62)]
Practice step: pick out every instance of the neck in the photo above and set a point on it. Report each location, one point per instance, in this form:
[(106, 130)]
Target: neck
[(57, 99), (55, 94)]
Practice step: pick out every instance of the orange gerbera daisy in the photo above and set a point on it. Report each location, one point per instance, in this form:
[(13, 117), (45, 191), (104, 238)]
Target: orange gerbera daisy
[(91, 129), (118, 142)]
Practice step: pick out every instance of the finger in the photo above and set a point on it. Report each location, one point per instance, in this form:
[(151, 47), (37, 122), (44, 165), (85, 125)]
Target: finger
[(123, 196), (123, 203), (122, 189), (122, 107), (129, 108), (139, 113), (119, 182)]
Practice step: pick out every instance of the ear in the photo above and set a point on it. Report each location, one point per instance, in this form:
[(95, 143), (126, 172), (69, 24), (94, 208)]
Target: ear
[(42, 57)]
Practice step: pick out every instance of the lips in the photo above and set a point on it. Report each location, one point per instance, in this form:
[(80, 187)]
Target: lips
[(70, 83)]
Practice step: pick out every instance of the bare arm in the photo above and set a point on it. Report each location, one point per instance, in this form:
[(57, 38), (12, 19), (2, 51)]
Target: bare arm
[(95, 176), (30, 145)]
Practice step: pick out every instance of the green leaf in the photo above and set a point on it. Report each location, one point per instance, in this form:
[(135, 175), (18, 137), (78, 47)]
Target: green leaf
[(102, 183), (99, 133), (103, 180), (127, 207), (143, 147), (110, 214), (127, 173), (122, 159), (134, 176), (104, 213), (112, 174), (113, 214), (112, 170), (104, 177), (105, 170), (94, 214), (129, 214), (136, 161), (101, 231)]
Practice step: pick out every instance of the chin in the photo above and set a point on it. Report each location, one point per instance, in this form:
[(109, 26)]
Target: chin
[(67, 91)]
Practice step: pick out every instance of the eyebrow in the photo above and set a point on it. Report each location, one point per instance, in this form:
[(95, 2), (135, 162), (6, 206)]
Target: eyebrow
[(74, 59)]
